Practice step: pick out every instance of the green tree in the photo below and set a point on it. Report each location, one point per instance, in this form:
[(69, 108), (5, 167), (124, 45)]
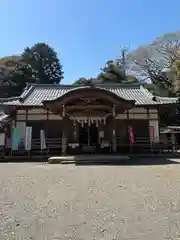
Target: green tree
[(8, 66), (85, 82), (174, 72), (112, 72), (131, 79), (116, 71), (81, 81), (38, 64), (42, 64)]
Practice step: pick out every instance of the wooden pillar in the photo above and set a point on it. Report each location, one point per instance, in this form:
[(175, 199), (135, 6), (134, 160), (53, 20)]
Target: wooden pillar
[(173, 141), (114, 147), (46, 129), (75, 133), (64, 135), (64, 143), (114, 129), (128, 120)]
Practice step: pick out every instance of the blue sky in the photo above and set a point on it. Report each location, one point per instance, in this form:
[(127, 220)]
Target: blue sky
[(85, 33)]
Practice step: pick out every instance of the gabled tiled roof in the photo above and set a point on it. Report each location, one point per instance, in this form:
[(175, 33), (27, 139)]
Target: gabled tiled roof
[(34, 95)]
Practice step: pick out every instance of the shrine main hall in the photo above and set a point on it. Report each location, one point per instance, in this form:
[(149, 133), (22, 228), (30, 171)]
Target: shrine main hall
[(105, 118)]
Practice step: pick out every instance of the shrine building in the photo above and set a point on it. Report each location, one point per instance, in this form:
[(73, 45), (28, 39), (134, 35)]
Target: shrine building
[(71, 119)]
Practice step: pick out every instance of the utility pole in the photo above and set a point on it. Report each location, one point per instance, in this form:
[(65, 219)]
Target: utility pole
[(123, 57)]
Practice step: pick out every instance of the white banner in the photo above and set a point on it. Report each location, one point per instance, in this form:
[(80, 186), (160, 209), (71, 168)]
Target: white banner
[(28, 138), (155, 125), (43, 139), (2, 139), (21, 126)]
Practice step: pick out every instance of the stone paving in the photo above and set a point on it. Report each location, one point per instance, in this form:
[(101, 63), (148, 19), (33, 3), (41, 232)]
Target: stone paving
[(42, 201)]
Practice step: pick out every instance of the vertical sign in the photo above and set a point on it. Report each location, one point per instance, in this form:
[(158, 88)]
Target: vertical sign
[(131, 135), (151, 133), (28, 138)]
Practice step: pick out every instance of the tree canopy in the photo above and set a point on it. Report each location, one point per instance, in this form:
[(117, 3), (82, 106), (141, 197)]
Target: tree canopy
[(116, 71), (37, 64), (43, 64), (149, 62), (112, 72), (40, 64), (8, 66)]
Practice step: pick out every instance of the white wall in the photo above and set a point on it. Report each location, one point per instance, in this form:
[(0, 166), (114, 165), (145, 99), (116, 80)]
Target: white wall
[(36, 114), (139, 113)]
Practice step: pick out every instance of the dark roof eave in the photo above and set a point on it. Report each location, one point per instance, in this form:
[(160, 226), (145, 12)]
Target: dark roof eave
[(156, 105)]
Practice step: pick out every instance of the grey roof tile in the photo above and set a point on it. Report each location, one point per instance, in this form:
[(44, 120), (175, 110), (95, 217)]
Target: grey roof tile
[(167, 99), (3, 117), (34, 95)]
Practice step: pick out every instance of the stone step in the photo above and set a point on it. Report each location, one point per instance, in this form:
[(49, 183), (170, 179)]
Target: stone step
[(67, 162), (88, 159)]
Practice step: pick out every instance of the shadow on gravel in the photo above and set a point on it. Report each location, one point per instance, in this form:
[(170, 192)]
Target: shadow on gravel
[(9, 160), (131, 162)]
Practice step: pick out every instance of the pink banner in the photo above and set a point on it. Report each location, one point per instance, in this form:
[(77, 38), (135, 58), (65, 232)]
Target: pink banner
[(151, 133), (131, 135)]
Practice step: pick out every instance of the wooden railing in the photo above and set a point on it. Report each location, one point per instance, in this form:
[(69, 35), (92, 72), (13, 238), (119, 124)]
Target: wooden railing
[(35, 144), (54, 146), (54, 143)]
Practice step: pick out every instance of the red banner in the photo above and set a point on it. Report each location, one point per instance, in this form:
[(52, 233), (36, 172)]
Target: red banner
[(151, 133), (131, 135)]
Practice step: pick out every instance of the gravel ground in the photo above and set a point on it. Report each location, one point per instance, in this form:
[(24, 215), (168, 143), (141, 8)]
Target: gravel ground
[(42, 201)]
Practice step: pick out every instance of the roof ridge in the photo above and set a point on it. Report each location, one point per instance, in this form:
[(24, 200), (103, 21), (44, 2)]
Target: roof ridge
[(126, 85), (26, 93), (120, 85), (51, 85)]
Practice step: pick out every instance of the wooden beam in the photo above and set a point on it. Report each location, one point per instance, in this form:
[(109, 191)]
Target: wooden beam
[(89, 107)]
